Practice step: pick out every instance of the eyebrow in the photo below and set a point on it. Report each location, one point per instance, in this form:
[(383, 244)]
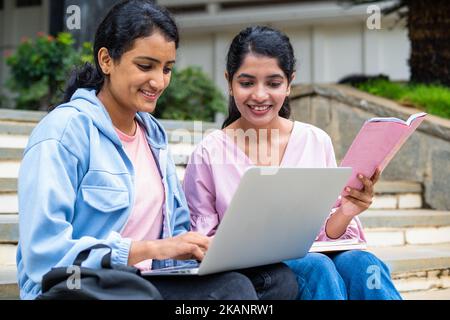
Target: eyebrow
[(245, 75), (155, 60)]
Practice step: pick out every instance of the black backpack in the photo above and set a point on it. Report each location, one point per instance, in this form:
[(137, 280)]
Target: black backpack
[(111, 282)]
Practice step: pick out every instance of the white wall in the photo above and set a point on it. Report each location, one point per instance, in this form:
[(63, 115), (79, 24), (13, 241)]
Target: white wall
[(197, 50), (329, 42), (325, 52)]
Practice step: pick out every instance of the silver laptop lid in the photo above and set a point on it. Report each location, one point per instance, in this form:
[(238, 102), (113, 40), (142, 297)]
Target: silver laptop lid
[(275, 215)]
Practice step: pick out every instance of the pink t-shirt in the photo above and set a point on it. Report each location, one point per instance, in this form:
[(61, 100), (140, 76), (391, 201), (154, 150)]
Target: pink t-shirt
[(146, 218), (217, 165)]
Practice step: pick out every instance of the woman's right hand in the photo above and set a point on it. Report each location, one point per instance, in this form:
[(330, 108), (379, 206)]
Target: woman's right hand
[(190, 245)]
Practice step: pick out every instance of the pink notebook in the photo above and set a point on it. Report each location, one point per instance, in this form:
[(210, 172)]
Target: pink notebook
[(376, 144)]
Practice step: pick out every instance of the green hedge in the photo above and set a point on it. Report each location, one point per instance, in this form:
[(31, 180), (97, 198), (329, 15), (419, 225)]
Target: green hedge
[(191, 95), (40, 68), (433, 99)]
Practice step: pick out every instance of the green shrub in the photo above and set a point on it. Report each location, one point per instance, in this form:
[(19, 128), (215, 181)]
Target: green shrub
[(191, 95), (384, 88), (39, 69), (433, 99)]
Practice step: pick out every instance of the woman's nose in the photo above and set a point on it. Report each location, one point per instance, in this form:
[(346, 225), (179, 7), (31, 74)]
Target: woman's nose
[(260, 94), (157, 82)]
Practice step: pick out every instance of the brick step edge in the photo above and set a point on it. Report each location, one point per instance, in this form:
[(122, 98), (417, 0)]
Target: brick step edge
[(422, 280)]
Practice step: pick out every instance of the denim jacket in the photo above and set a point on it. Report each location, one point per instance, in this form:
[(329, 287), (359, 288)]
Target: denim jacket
[(76, 189)]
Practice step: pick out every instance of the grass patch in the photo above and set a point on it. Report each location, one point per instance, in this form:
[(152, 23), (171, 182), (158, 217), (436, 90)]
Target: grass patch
[(432, 99)]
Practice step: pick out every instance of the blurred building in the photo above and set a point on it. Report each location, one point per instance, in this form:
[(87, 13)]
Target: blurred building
[(331, 40)]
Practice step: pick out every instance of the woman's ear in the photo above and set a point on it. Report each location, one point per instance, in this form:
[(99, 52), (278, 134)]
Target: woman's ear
[(290, 84), (105, 61), (230, 90)]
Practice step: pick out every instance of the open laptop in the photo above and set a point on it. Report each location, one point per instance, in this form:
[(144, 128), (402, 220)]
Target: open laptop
[(275, 215)]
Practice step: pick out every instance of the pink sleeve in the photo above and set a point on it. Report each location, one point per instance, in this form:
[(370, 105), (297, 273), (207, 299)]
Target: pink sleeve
[(354, 228), (199, 188)]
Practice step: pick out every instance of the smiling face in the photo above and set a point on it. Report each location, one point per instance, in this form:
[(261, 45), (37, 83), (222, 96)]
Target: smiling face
[(259, 88), (137, 80)]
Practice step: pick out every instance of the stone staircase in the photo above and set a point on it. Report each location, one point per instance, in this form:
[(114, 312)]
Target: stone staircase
[(412, 240)]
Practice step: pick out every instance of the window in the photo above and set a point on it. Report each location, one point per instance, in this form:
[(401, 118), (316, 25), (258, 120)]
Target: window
[(28, 3), (1, 4)]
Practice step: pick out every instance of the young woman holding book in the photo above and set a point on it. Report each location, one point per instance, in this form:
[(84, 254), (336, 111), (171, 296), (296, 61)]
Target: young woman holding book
[(260, 70), (97, 171)]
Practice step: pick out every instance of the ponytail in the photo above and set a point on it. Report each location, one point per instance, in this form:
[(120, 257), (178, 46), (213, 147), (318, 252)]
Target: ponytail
[(86, 76)]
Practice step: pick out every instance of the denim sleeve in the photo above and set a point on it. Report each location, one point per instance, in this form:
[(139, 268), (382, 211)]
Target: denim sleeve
[(48, 181)]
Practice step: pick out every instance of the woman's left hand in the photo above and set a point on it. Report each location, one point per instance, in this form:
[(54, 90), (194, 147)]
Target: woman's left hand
[(358, 201)]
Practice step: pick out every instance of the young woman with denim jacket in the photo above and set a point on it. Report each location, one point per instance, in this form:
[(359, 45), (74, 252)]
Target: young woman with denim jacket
[(260, 70), (97, 170)]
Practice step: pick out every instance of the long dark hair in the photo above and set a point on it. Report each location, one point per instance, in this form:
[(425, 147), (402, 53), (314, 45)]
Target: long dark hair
[(125, 22), (263, 41)]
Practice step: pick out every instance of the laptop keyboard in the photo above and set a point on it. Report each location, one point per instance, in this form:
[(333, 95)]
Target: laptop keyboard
[(183, 269)]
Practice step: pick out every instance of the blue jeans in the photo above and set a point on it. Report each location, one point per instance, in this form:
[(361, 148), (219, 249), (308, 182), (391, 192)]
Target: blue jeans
[(352, 275)]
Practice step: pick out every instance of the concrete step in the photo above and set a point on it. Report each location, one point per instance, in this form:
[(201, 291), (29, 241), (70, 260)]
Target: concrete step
[(10, 158), (8, 203), (11, 154), (415, 258), (10, 291), (397, 195), (384, 237), (415, 270), (401, 260), (9, 228), (9, 169), (8, 254), (16, 128), (180, 152), (13, 141), (8, 185), (375, 237), (408, 227), (404, 218), (393, 187), (16, 122), (403, 227), (21, 116), (8, 283)]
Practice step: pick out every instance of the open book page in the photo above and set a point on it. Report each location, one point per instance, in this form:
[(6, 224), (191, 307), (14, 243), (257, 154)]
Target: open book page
[(376, 144), (337, 245), (407, 122)]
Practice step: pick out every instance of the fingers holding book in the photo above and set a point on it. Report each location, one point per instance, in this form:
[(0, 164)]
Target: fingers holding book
[(362, 199)]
